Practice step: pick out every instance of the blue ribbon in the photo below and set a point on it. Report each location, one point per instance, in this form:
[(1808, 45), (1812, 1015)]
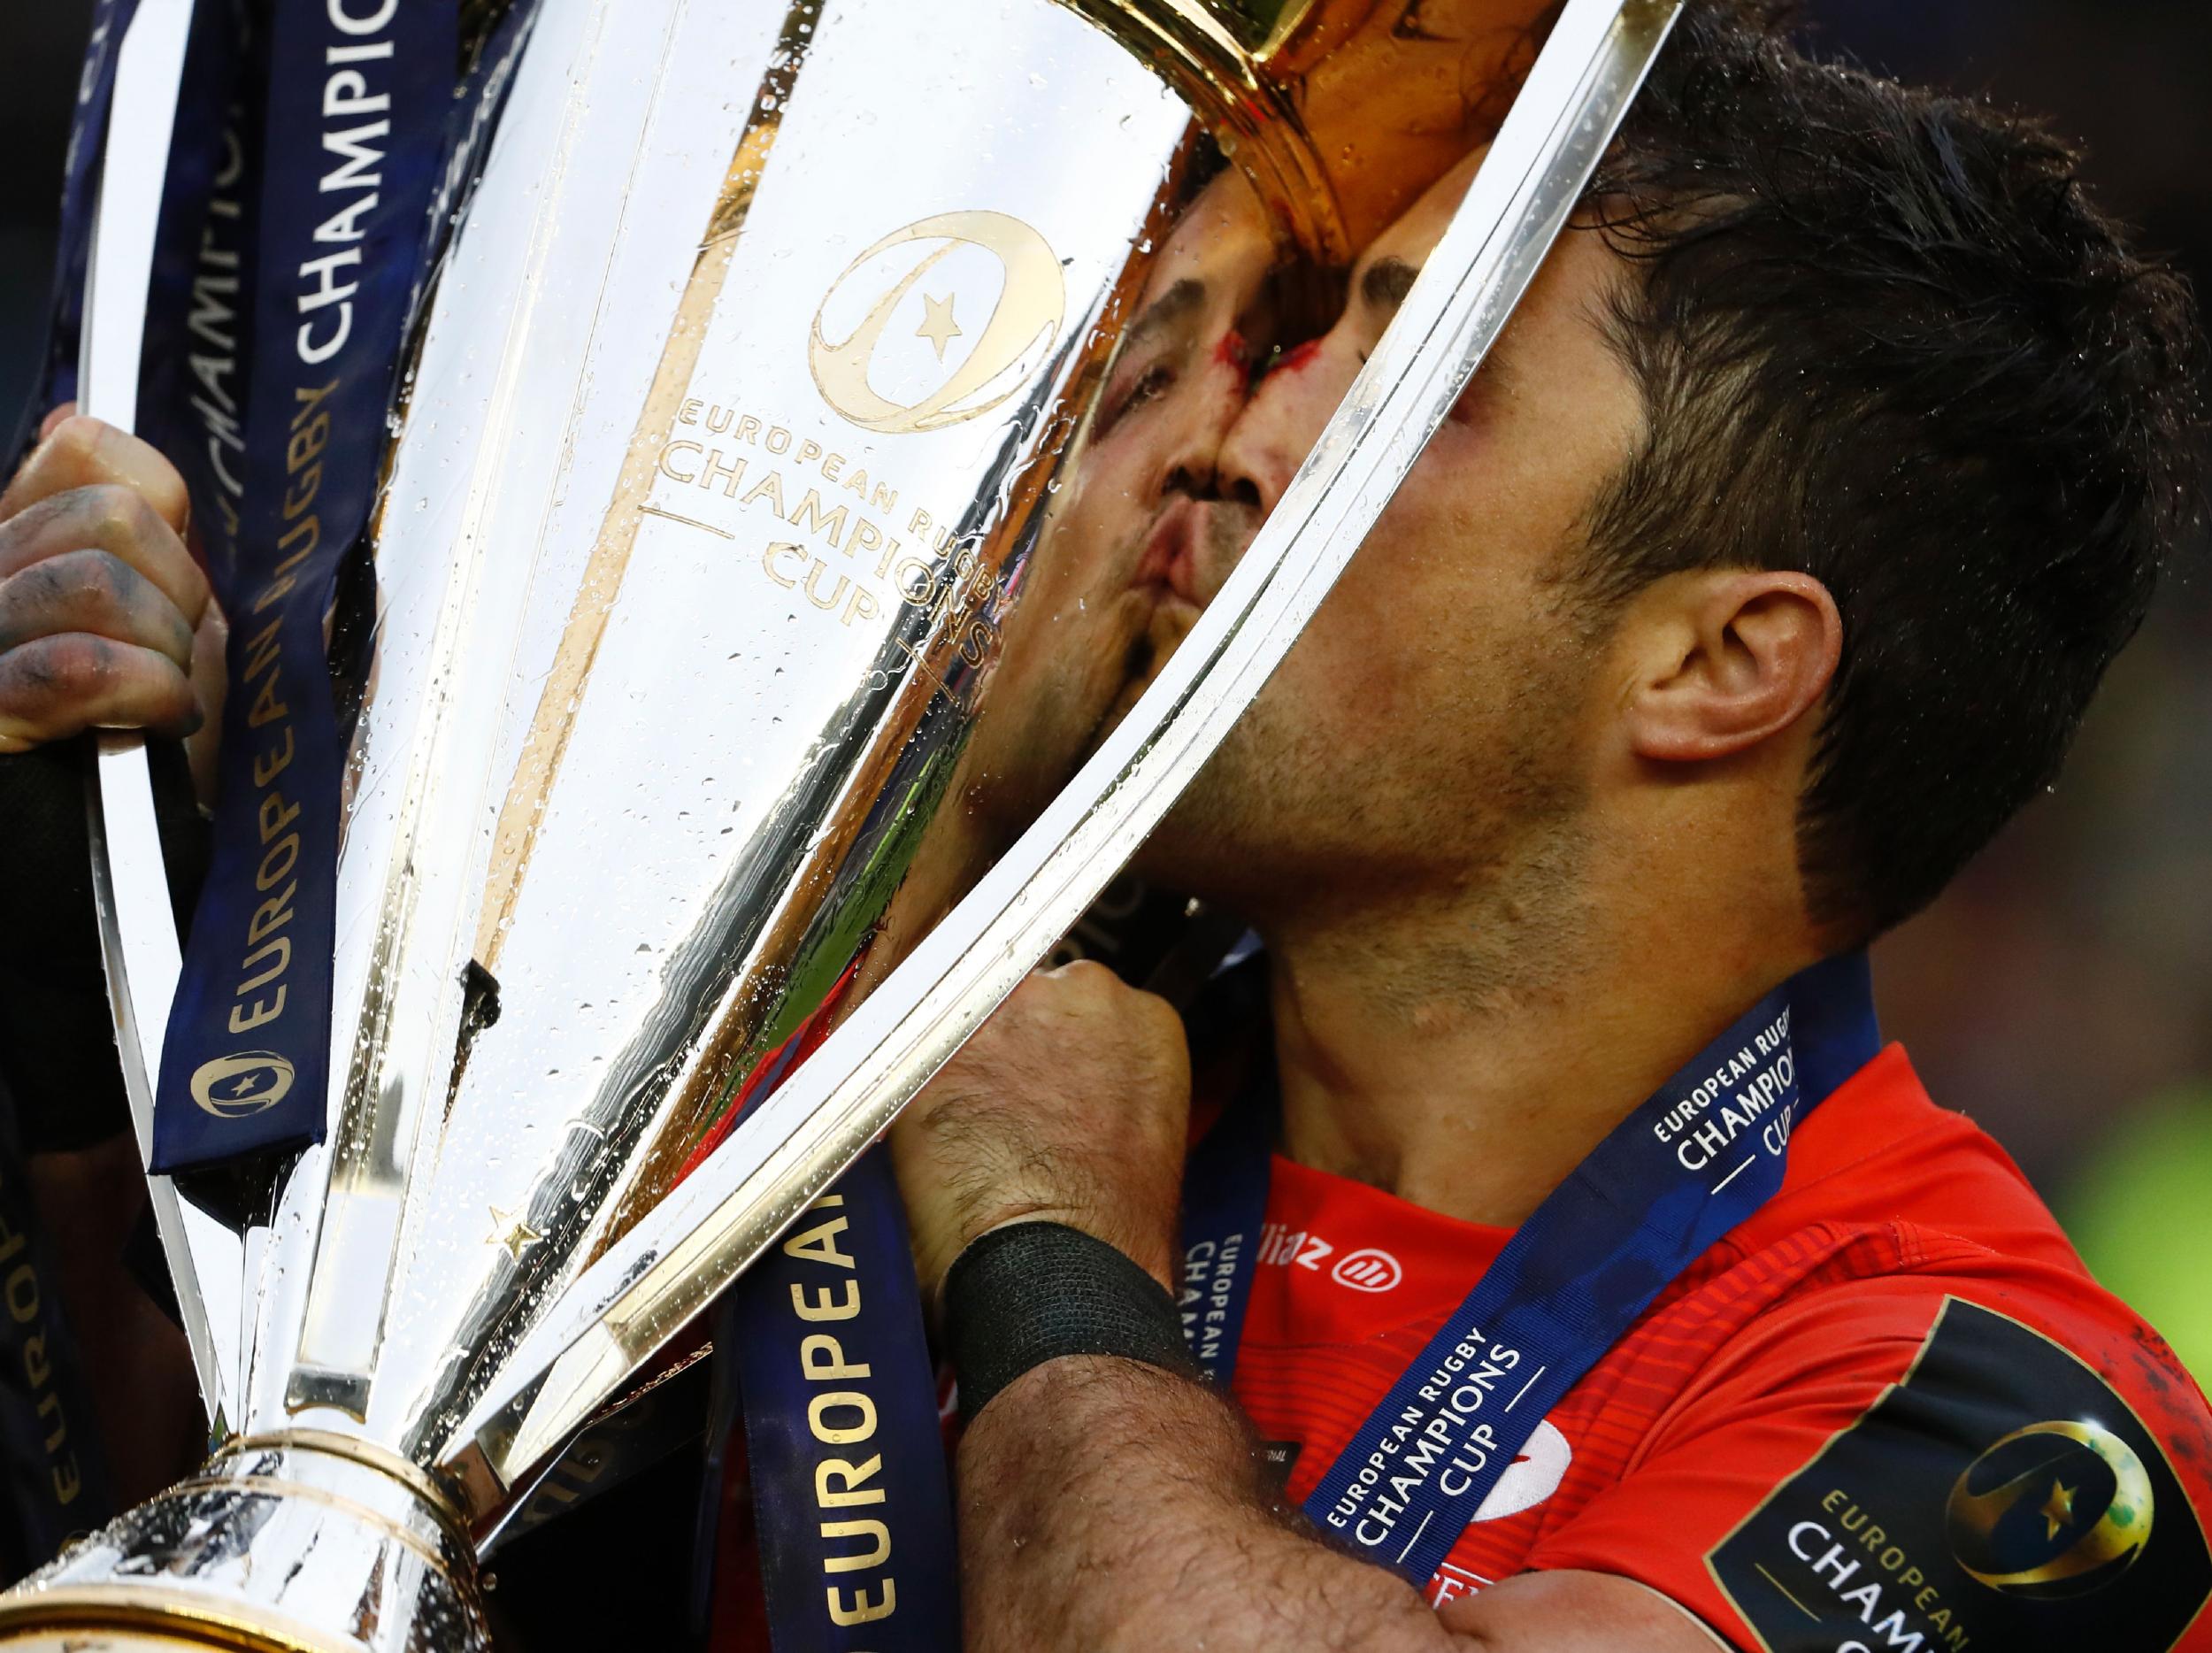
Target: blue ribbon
[(1694, 1162), (844, 1446), (53, 1474), (57, 378), (198, 348), (1224, 1208), (355, 98)]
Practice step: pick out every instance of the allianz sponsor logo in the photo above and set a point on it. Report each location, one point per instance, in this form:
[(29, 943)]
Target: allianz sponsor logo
[(1369, 1269)]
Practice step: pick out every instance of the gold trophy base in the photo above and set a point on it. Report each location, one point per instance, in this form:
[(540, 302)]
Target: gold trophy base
[(303, 1542)]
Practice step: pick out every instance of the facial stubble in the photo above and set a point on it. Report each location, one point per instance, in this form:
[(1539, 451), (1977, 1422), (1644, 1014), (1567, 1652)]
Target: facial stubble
[(1453, 852)]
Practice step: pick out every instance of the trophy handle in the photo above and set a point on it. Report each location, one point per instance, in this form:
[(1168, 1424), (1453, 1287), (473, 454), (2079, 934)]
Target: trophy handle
[(650, 1282), (130, 884)]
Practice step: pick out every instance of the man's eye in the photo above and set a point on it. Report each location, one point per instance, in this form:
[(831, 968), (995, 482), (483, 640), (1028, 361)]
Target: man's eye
[(1148, 386), (1152, 382)]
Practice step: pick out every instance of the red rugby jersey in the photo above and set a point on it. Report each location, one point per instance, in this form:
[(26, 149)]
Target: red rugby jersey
[(1890, 1411)]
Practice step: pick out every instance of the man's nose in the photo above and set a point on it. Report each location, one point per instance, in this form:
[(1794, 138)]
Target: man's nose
[(1204, 409), (1271, 438)]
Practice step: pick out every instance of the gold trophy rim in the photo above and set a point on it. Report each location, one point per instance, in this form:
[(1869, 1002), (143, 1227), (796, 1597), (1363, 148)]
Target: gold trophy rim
[(155, 1613)]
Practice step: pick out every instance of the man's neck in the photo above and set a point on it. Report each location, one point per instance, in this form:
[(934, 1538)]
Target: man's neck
[(1470, 1076)]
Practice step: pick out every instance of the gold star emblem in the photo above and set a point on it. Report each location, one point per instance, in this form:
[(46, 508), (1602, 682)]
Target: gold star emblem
[(2058, 1509), (512, 1231), (938, 326)]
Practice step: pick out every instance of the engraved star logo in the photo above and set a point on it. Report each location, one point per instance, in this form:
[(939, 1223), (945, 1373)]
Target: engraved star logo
[(512, 1231), (2058, 1509), (938, 326)]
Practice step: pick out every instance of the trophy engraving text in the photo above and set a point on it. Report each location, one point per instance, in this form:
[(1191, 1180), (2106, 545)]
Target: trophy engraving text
[(846, 563)]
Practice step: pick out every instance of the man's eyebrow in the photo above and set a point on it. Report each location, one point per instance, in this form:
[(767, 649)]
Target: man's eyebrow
[(1171, 307), (1386, 283)]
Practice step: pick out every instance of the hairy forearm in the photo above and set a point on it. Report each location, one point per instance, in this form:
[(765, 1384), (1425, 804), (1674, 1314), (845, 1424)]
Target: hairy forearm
[(1106, 1504)]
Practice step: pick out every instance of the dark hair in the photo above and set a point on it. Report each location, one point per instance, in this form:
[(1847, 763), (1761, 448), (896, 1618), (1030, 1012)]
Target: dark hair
[(1884, 338)]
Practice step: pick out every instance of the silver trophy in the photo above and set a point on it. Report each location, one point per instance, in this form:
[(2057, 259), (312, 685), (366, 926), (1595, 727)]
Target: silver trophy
[(744, 424)]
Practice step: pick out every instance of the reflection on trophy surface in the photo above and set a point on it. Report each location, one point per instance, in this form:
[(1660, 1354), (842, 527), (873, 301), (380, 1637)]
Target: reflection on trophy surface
[(813, 452), (1109, 590)]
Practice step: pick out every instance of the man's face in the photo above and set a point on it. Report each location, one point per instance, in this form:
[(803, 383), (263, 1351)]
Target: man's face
[(1113, 586), (1437, 706)]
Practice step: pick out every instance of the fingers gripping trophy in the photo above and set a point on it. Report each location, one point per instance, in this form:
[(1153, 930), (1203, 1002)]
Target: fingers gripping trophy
[(653, 474)]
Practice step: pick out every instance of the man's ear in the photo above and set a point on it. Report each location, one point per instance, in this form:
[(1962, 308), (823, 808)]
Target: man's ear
[(1729, 658)]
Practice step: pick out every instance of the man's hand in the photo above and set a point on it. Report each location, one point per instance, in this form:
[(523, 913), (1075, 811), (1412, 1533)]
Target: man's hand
[(1072, 1104), (1106, 1504), (99, 599)]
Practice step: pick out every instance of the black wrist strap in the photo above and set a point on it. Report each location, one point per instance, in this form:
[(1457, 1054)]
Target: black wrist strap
[(1032, 1292)]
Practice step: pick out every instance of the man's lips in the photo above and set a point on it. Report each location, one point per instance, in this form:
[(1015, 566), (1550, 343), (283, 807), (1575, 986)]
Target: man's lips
[(1170, 553)]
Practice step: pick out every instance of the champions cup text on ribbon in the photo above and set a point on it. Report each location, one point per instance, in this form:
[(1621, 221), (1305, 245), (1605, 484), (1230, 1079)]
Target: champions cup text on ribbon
[(1692, 1163), (355, 99)]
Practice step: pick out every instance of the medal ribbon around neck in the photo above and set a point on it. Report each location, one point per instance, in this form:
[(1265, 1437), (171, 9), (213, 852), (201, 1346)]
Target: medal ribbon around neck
[(1697, 1159)]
